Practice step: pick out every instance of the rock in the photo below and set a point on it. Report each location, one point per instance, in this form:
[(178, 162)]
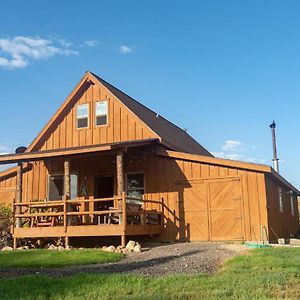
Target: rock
[(119, 249), (7, 248), (104, 248), (60, 248), (52, 247), (110, 249), (124, 250), (69, 248), (137, 248), (281, 241), (130, 245), (295, 242), (26, 247)]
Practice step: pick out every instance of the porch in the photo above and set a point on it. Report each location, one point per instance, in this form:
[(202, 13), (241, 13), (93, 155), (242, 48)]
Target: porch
[(60, 219), (103, 202)]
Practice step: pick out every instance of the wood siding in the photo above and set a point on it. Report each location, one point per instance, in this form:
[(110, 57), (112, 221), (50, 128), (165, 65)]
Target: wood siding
[(281, 224), (122, 125), (195, 194)]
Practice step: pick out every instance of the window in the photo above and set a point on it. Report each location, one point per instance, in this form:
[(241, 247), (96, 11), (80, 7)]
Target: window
[(56, 187), (101, 113), (280, 198), (135, 186), (82, 116), (292, 204)]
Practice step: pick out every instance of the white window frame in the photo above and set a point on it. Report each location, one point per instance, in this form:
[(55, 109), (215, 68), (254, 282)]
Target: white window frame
[(100, 115), (79, 117), (280, 199)]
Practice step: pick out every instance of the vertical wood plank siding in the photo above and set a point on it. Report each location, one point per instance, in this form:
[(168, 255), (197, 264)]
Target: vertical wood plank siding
[(170, 179), (123, 125)]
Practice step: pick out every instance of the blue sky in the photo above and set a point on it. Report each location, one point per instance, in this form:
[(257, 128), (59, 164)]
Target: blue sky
[(222, 69)]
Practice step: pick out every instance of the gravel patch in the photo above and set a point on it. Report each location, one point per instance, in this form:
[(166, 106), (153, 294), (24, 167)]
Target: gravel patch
[(155, 260)]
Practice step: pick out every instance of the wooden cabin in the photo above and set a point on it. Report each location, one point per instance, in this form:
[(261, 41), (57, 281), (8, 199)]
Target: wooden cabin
[(106, 165)]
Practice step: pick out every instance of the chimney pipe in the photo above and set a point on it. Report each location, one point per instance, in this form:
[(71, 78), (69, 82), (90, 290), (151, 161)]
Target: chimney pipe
[(275, 158)]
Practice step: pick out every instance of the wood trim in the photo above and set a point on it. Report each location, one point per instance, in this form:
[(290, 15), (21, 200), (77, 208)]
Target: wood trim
[(213, 160), (39, 155), (83, 80)]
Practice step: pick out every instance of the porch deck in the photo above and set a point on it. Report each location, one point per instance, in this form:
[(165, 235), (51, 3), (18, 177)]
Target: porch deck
[(58, 219)]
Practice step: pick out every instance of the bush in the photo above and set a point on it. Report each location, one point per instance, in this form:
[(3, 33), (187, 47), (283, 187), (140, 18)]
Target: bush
[(5, 217)]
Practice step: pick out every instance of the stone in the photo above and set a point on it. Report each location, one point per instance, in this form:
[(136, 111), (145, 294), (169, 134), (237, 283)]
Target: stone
[(69, 248), (60, 248), (281, 241), (295, 242), (104, 248), (137, 248), (7, 248), (26, 247), (119, 249), (52, 247), (110, 249), (130, 245), (124, 250)]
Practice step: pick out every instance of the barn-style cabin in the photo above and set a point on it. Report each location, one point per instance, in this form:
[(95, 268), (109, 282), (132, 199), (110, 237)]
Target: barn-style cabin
[(106, 165)]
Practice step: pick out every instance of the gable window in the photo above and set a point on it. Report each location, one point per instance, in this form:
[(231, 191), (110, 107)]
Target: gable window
[(135, 186), (280, 198), (101, 113), (82, 116)]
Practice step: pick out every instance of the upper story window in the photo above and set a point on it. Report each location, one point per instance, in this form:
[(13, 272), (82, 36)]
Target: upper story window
[(82, 116), (280, 198), (101, 113)]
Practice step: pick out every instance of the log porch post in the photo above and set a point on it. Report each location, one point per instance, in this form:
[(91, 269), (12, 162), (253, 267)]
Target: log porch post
[(18, 209), (67, 195), (121, 193)]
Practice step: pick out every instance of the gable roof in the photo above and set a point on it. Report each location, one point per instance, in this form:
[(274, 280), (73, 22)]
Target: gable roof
[(171, 135)]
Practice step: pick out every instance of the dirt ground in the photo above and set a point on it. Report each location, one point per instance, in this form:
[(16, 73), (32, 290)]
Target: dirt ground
[(155, 260)]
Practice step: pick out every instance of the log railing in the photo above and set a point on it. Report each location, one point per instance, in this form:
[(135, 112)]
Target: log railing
[(60, 211)]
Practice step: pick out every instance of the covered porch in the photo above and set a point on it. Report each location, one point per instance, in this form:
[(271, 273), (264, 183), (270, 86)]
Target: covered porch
[(87, 193)]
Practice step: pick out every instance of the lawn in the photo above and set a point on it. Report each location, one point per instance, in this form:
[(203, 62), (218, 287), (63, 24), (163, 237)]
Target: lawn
[(52, 258), (264, 273)]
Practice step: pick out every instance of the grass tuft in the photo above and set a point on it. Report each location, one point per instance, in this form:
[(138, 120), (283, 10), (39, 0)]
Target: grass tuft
[(52, 258), (265, 273)]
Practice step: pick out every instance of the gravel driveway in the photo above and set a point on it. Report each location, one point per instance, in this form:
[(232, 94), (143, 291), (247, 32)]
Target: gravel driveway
[(155, 260)]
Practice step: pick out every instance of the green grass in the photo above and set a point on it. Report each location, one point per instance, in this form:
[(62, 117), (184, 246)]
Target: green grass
[(265, 273), (52, 258)]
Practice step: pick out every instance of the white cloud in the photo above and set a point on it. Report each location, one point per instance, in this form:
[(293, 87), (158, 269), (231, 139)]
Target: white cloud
[(234, 156), (238, 150), (91, 43), (125, 49), (4, 150), (232, 145), (19, 51)]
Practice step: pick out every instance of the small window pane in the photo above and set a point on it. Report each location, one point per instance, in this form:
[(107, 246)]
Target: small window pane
[(101, 108), (82, 111), (82, 123), (135, 181), (101, 120), (74, 186)]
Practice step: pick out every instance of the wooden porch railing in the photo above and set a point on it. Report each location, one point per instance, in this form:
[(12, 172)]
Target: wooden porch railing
[(60, 211)]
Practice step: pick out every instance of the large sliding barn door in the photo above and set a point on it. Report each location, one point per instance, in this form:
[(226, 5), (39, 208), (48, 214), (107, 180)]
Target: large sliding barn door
[(224, 209)]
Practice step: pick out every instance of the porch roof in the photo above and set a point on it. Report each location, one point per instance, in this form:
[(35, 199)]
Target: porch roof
[(38, 155)]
